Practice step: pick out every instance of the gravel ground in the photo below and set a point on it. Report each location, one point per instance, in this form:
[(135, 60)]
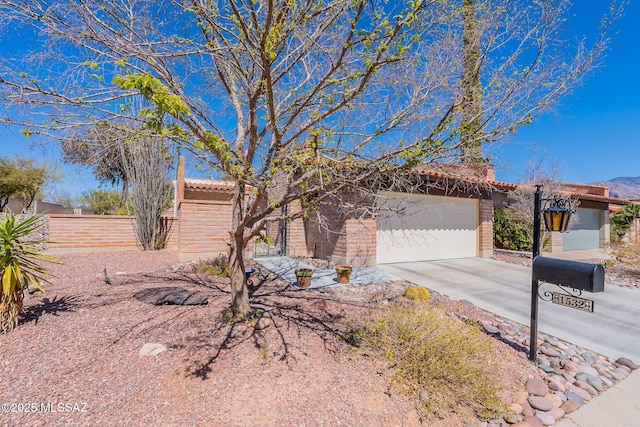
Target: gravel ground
[(76, 353), (78, 345)]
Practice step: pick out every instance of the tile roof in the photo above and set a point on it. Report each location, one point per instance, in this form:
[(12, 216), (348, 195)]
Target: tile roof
[(228, 186), (511, 187), (478, 179), (208, 184), (597, 198)]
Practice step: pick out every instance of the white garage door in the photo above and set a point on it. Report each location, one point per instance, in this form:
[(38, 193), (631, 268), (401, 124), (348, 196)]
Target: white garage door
[(583, 233), (421, 228)]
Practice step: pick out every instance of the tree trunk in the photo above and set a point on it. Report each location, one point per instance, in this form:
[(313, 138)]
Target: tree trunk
[(471, 133), (239, 292)]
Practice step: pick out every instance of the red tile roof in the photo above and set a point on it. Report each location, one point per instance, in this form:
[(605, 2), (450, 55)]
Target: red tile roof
[(228, 186), (208, 184), (478, 179), (511, 187)]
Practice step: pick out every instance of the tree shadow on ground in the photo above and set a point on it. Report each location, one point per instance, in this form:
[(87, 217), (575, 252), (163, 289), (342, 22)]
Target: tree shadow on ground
[(282, 319), (67, 303)]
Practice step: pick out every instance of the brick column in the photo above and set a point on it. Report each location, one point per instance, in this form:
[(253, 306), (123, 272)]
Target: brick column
[(485, 228), (356, 245), (296, 240), (605, 228), (556, 244)]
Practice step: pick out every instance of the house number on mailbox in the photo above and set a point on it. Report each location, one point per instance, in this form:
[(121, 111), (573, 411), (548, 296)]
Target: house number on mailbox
[(573, 302)]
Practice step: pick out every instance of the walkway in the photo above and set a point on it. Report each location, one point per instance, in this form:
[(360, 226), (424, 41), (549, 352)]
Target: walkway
[(322, 278)]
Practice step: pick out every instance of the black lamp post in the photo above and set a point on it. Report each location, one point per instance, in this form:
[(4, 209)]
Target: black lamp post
[(556, 218)]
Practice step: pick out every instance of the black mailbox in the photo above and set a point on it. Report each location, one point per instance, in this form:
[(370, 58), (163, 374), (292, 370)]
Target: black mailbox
[(578, 275)]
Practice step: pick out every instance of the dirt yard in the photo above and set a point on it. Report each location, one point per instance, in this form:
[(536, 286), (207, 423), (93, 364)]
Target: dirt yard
[(74, 359)]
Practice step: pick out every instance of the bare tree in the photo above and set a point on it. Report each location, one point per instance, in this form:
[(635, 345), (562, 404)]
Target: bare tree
[(147, 162), (539, 169), (100, 147), (292, 100)]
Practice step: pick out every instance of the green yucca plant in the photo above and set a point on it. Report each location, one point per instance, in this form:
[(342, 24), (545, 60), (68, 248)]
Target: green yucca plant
[(19, 257)]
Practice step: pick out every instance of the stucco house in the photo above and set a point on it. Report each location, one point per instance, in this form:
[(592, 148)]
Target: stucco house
[(590, 227), (458, 222)]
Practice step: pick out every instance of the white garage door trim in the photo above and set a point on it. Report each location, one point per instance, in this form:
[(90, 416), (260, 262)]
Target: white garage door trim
[(583, 233), (414, 227)]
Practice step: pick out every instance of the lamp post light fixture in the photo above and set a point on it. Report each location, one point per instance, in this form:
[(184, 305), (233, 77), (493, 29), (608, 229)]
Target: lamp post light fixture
[(556, 213)]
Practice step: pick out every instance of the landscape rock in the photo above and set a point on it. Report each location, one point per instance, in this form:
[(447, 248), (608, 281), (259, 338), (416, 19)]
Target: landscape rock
[(557, 413), (32, 289), (561, 395), (621, 372), (626, 362), (572, 397), (588, 358), (587, 369), (550, 351), (555, 384), (424, 396), (555, 399), (586, 397), (520, 397), (151, 349), (566, 376), (533, 421), (171, 295), (263, 323), (517, 408), (591, 380), (527, 410), (584, 386), (541, 403), (546, 418), (569, 406), (536, 387), (511, 417)]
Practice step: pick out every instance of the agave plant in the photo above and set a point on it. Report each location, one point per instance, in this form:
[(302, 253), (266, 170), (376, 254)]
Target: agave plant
[(20, 254)]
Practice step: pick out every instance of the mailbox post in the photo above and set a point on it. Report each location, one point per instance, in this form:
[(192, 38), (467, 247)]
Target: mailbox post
[(533, 325), (566, 274)]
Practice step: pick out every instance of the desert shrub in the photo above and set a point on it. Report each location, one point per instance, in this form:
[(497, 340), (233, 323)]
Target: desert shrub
[(416, 293), (433, 351), (101, 201), (510, 230), (218, 266), (20, 265), (621, 221), (627, 255)]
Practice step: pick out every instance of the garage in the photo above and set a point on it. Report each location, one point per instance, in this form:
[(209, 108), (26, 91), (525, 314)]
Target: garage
[(413, 227), (584, 232)]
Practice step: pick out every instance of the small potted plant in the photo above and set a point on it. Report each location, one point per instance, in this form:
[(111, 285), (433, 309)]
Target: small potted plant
[(344, 273), (303, 277)]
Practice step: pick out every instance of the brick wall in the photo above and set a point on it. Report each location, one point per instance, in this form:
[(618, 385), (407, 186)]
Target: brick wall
[(79, 232), (203, 227)]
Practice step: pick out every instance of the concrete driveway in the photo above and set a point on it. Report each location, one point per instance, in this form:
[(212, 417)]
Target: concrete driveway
[(613, 329)]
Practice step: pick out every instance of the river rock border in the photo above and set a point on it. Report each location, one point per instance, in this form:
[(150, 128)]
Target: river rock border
[(565, 377)]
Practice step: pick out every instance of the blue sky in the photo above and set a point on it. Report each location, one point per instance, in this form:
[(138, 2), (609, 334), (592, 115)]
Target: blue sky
[(593, 134)]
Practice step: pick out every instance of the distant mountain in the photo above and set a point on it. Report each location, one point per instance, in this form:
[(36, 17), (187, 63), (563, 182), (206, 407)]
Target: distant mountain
[(623, 187)]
